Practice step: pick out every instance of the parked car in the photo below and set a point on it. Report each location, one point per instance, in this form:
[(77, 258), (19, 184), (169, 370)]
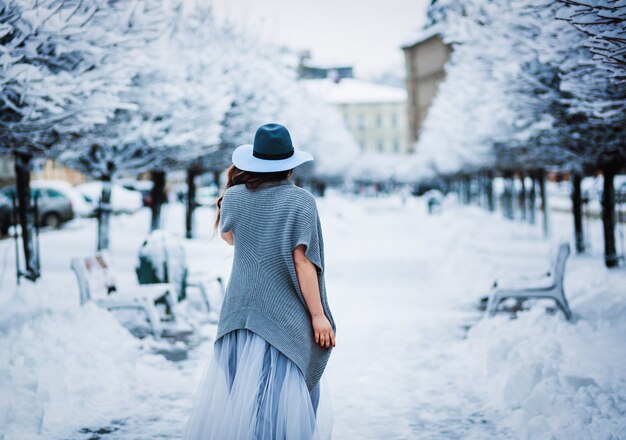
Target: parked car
[(80, 206), (143, 186), (54, 207), (5, 215), (123, 201)]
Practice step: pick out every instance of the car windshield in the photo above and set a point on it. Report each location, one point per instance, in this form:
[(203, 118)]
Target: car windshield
[(10, 192), (54, 194)]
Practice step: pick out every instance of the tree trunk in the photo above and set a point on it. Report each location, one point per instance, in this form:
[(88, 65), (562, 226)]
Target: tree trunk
[(191, 202), (577, 210), (158, 198), (513, 197), (522, 196), (507, 196), (544, 203), (608, 217), (532, 200), (491, 206), (484, 182), (26, 215), (104, 213), (468, 190)]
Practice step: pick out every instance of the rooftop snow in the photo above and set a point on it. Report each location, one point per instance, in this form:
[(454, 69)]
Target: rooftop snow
[(350, 90), (423, 35)]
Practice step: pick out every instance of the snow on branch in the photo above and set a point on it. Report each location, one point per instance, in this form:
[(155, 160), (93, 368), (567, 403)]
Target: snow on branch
[(64, 65), (604, 22), (522, 89)]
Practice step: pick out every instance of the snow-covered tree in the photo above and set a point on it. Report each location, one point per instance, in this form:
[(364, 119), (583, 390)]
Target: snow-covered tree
[(319, 128), (265, 89), (179, 95), (63, 66), (523, 91), (604, 23)]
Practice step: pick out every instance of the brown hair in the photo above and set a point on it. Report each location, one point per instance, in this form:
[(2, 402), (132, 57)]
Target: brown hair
[(251, 179)]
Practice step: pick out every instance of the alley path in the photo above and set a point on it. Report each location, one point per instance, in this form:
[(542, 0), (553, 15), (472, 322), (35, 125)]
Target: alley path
[(403, 286), (396, 301), (402, 310)]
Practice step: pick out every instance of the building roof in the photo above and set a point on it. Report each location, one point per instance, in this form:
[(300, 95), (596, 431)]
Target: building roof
[(351, 91), (423, 35)]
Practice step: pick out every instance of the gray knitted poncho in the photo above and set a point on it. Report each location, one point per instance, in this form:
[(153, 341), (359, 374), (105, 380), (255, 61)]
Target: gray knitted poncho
[(263, 294)]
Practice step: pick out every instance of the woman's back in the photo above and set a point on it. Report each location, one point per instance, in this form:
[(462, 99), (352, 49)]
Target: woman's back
[(263, 293), (266, 218), (275, 332)]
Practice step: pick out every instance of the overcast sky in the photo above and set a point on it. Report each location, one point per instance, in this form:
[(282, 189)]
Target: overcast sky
[(364, 33)]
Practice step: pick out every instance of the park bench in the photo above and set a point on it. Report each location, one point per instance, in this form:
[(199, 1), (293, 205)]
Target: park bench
[(546, 286), (162, 259), (199, 280), (97, 283)]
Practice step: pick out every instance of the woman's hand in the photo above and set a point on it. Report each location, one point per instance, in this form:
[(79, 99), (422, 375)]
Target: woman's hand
[(324, 335), (307, 278)]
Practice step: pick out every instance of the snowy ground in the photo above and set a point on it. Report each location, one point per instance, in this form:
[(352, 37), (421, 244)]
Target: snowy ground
[(414, 359)]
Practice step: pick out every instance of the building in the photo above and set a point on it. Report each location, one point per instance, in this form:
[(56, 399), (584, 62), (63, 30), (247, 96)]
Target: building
[(309, 69), (375, 114), (44, 169), (425, 60), (52, 170)]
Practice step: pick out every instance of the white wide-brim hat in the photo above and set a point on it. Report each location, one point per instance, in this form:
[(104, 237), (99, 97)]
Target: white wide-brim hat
[(272, 151)]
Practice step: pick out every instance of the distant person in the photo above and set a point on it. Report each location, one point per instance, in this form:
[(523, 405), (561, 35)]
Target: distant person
[(276, 331)]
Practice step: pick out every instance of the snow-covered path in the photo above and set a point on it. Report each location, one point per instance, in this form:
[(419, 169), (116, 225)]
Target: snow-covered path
[(398, 316), (403, 287)]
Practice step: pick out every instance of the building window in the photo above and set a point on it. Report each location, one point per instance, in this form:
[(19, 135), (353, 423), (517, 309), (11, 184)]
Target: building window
[(346, 121), (361, 122), (396, 146), (394, 120), (380, 145), (379, 120), (362, 144)]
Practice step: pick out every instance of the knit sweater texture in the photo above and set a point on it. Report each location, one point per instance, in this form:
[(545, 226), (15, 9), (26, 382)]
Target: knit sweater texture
[(263, 293)]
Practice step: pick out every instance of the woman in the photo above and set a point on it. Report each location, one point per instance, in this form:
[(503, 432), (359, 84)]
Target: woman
[(275, 332)]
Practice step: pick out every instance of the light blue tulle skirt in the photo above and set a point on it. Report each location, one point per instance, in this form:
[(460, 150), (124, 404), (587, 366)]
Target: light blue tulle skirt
[(250, 390)]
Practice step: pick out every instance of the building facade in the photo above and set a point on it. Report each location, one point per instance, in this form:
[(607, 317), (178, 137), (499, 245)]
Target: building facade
[(425, 61), (45, 169), (310, 69), (375, 114), (52, 170)]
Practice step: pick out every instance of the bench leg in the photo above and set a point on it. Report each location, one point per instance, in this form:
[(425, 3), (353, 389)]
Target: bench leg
[(153, 317), (201, 286), (562, 303), (143, 305), (493, 302), (203, 293), (170, 301), (495, 298)]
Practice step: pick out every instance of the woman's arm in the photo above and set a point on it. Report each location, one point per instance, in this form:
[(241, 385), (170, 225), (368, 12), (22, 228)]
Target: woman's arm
[(307, 277), (228, 237)]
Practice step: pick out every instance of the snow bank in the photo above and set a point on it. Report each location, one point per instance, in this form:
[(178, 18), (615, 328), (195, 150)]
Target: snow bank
[(62, 366), (75, 372), (549, 378), (393, 270)]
